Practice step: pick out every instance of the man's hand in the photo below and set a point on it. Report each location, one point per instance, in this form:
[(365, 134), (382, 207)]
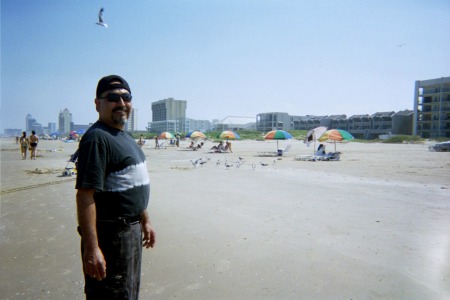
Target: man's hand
[(149, 238), (94, 264)]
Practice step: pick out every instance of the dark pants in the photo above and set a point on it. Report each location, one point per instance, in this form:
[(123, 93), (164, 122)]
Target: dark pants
[(121, 245)]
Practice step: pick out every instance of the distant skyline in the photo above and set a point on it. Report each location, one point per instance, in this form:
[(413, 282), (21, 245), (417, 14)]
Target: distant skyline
[(226, 58), (46, 123)]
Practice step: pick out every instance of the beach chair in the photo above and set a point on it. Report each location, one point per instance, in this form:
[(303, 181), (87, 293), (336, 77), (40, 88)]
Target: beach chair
[(279, 152), (329, 157)]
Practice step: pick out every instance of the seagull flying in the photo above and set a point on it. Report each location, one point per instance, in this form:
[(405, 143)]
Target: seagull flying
[(100, 19)]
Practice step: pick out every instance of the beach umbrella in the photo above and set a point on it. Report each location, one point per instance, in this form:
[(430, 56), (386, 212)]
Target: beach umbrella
[(336, 135), (81, 131), (314, 134), (228, 134), (278, 135), (73, 134), (166, 135), (196, 135)]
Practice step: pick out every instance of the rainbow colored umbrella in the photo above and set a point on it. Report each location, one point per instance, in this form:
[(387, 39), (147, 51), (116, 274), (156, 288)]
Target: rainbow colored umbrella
[(196, 135), (336, 135), (278, 135), (228, 134), (166, 135)]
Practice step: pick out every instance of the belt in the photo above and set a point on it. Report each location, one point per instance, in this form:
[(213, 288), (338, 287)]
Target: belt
[(125, 220)]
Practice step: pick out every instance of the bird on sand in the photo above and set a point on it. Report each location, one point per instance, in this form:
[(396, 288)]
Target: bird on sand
[(100, 19), (227, 165)]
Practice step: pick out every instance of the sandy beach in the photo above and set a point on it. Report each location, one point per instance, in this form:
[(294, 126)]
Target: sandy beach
[(374, 225)]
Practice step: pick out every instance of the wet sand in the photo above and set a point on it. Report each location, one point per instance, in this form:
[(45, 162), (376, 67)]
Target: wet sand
[(374, 225)]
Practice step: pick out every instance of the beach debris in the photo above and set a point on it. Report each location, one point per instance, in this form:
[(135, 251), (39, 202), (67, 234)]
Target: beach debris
[(41, 171), (100, 19), (263, 164)]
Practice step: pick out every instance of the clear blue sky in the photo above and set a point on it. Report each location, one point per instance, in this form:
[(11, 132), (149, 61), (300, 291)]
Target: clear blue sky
[(225, 57)]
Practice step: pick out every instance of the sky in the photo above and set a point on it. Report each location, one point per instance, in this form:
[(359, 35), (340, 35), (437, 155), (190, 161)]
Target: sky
[(224, 57)]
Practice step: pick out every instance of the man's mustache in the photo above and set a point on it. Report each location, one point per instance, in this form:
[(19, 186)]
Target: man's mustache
[(124, 109)]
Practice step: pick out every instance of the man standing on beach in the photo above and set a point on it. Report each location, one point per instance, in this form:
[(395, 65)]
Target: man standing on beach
[(34, 139), (113, 193)]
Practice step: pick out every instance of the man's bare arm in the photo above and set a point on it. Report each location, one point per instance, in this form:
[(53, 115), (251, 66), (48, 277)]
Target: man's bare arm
[(94, 263)]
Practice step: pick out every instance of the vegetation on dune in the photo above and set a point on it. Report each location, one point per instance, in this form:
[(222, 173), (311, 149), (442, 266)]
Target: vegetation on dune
[(404, 139)]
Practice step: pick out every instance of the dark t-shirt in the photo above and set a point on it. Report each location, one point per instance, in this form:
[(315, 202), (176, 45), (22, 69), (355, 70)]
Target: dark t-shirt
[(111, 162)]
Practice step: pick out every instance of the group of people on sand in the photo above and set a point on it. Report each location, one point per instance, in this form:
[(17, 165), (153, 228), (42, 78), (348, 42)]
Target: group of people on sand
[(28, 144), (192, 145), (221, 147)]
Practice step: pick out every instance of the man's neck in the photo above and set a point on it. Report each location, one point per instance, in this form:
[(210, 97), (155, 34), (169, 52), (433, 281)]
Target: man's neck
[(115, 126)]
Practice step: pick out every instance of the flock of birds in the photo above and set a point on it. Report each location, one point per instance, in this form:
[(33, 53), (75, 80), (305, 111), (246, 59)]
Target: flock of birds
[(227, 164)]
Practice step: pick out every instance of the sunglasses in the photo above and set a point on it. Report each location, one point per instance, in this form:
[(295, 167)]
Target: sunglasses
[(117, 97)]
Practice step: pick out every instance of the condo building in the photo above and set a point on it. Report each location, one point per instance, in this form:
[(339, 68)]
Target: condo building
[(432, 108), (168, 115)]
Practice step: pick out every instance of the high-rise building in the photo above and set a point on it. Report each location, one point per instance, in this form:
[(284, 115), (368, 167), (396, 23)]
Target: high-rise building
[(65, 119), (51, 127), (432, 108), (29, 122), (168, 115), (168, 109)]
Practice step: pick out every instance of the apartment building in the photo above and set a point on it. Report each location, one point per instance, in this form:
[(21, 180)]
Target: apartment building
[(273, 121), (168, 115), (432, 108)]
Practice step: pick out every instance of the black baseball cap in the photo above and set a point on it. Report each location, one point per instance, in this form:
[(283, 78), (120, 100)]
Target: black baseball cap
[(105, 84)]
